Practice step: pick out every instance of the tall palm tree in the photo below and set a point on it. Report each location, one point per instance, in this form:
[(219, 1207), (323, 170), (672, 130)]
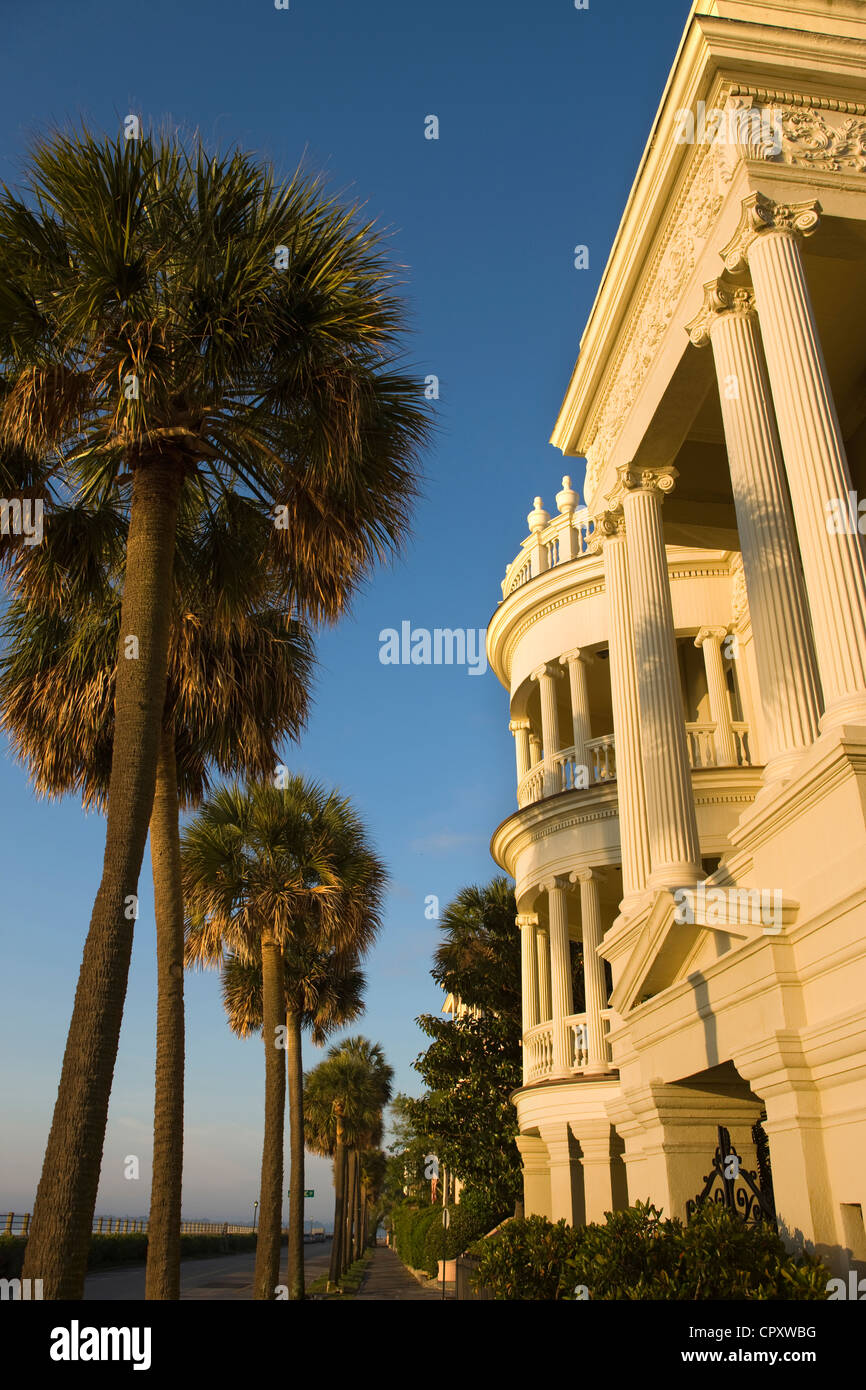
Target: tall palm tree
[(259, 867), (341, 1102), (238, 683), (166, 313), (324, 991)]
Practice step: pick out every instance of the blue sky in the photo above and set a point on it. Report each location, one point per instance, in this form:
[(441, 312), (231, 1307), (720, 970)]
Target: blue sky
[(543, 114)]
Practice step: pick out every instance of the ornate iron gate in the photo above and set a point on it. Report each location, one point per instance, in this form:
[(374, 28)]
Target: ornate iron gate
[(731, 1185)]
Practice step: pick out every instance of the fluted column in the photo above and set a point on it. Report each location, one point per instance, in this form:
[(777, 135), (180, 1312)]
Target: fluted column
[(673, 830), (594, 983), (520, 730), (577, 662), (609, 536), (561, 996), (542, 948), (534, 750), (709, 640), (784, 652), (546, 675), (815, 460), (527, 921)]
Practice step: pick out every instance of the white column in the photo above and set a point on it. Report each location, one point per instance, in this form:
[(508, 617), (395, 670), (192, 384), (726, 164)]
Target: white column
[(609, 535), (577, 663), (673, 830), (815, 460), (534, 750), (520, 730), (561, 997), (783, 649), (526, 921), (710, 639), (542, 947), (594, 983), (546, 675)]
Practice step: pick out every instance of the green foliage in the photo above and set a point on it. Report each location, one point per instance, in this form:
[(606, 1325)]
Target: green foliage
[(466, 1115), (528, 1260), (638, 1254), (131, 1248), (411, 1225), (473, 1216), (474, 1063)]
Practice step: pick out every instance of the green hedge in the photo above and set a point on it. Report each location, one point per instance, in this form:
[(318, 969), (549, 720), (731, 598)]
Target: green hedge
[(419, 1236), (637, 1254), (107, 1250)]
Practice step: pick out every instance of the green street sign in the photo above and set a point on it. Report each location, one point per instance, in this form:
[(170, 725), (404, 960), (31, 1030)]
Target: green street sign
[(309, 1192)]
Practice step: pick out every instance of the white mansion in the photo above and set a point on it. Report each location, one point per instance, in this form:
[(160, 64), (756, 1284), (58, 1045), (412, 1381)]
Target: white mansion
[(685, 657)]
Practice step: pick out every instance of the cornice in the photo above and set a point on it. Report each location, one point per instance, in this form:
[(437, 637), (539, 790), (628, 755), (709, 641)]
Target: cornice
[(718, 58)]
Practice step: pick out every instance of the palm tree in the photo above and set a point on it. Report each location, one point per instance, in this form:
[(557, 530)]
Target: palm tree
[(238, 683), (381, 1076), (264, 870), (324, 991), (164, 314), (341, 1102)]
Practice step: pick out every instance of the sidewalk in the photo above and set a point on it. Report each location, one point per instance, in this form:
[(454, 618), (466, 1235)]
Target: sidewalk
[(387, 1277)]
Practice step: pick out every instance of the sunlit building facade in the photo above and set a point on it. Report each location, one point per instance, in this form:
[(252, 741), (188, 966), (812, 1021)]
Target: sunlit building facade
[(684, 649)]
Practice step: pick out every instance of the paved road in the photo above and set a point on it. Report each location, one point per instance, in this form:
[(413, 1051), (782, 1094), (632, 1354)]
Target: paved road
[(220, 1277)]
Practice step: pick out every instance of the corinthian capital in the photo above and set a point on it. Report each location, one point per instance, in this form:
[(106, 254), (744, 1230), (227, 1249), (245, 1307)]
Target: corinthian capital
[(761, 214), (608, 525), (720, 299), (631, 479)]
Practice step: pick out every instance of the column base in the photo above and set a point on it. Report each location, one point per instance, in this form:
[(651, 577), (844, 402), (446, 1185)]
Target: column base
[(851, 710), (673, 876)]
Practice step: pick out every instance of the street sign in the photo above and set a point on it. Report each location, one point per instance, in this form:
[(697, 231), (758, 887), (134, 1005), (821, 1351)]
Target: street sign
[(309, 1192)]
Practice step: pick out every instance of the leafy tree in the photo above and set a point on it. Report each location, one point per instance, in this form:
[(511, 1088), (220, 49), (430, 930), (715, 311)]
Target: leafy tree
[(474, 1062), (149, 336)]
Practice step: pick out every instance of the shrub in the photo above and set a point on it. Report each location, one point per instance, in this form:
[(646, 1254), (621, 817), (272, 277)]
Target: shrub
[(528, 1259), (473, 1216), (637, 1254)]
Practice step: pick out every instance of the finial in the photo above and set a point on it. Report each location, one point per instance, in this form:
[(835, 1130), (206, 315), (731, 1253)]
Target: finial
[(568, 499), (538, 517)]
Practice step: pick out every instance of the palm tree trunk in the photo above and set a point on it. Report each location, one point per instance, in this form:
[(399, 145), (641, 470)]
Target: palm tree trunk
[(59, 1239), (350, 1210), (163, 1231), (296, 1153), (336, 1264), (358, 1205), (267, 1273)]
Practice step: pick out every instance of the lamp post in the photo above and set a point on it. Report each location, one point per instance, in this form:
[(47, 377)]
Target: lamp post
[(255, 1214)]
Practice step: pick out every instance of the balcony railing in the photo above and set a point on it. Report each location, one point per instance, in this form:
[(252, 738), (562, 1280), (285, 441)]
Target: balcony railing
[(563, 772), (564, 538), (538, 1051), (538, 1046)]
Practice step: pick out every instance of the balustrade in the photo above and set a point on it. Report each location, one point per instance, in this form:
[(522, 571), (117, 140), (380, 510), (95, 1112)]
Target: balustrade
[(538, 1046)]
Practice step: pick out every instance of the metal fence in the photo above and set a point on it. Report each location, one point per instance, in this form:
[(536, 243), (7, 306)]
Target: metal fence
[(466, 1267), (18, 1224)]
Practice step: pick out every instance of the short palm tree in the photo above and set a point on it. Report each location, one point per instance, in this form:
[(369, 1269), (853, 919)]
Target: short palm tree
[(324, 991), (382, 1076), (341, 1103), (260, 865), (238, 683), (166, 313)]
